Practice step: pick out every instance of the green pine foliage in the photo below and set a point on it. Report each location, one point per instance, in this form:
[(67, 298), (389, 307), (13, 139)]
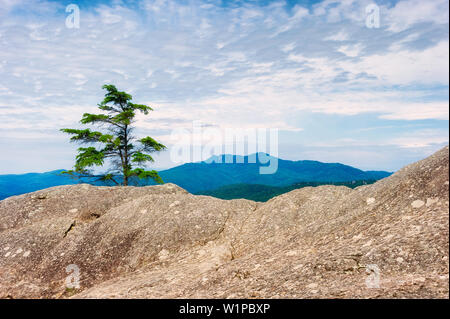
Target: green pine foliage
[(125, 155)]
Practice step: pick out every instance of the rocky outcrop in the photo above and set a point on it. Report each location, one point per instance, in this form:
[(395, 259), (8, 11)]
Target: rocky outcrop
[(388, 239)]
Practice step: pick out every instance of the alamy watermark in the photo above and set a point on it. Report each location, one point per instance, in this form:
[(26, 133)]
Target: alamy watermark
[(204, 143), (373, 280), (73, 19), (373, 16), (73, 278)]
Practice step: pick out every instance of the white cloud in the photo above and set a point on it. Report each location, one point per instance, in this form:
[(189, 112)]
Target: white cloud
[(418, 111), (299, 13), (340, 36), (288, 47), (421, 138), (409, 12), (429, 66), (247, 66), (351, 50), (107, 17), (154, 5)]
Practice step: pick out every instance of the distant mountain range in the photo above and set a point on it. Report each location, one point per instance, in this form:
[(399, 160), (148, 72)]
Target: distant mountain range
[(209, 175), (196, 177), (12, 184)]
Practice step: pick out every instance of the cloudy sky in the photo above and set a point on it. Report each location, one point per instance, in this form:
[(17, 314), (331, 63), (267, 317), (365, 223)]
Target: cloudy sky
[(337, 90)]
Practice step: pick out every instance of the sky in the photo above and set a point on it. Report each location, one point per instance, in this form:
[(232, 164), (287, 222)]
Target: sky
[(337, 86)]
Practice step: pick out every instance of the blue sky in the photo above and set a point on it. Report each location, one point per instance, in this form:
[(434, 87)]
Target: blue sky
[(337, 91)]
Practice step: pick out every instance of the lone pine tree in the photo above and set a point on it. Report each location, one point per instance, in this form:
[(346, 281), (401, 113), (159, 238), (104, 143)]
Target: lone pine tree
[(125, 154)]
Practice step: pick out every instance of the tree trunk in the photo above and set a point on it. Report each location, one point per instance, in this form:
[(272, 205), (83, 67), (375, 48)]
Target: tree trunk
[(125, 166)]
